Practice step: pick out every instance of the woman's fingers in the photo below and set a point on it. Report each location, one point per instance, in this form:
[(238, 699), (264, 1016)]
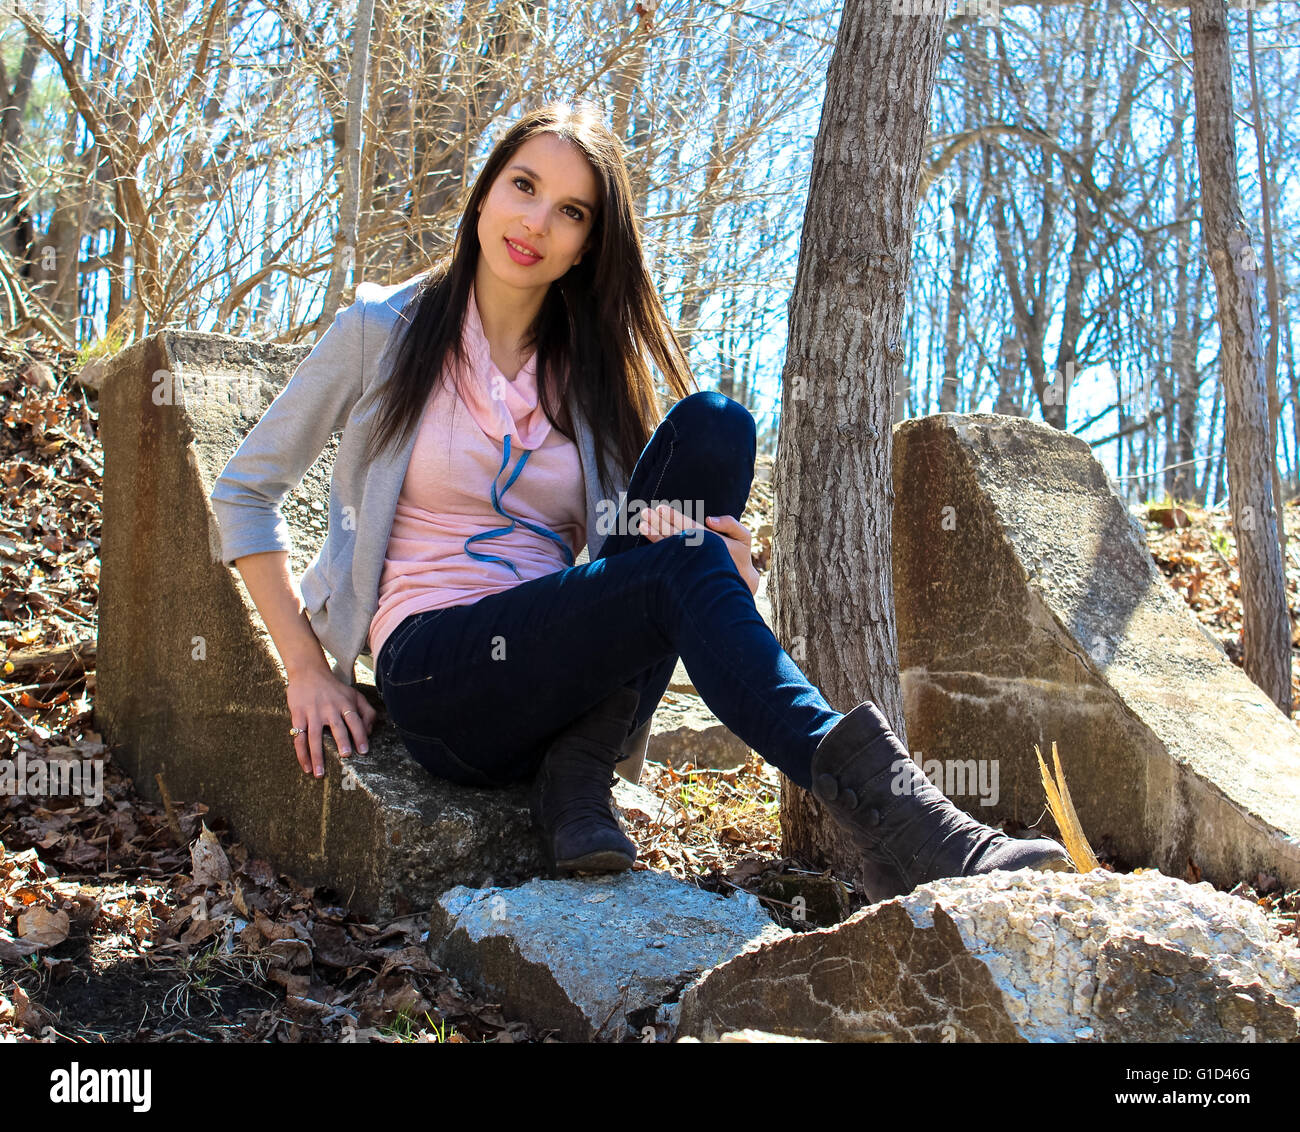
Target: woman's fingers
[(356, 734), (648, 524), (338, 725), (300, 747), (663, 521), (316, 741), (323, 702), (733, 526), (359, 723), (349, 732)]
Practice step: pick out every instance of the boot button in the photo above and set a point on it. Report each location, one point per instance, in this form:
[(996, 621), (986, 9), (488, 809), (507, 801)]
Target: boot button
[(850, 799), (829, 786), (873, 816)]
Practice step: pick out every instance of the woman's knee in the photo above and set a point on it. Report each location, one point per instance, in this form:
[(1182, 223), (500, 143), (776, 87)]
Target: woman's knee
[(712, 418), (697, 549)]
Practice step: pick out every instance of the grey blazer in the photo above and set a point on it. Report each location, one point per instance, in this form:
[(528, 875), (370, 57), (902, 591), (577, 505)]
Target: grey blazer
[(336, 387)]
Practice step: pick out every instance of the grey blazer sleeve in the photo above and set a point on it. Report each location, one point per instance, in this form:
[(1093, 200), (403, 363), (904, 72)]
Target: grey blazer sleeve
[(291, 434)]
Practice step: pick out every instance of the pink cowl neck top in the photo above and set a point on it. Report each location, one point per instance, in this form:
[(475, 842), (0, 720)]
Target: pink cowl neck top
[(449, 545)]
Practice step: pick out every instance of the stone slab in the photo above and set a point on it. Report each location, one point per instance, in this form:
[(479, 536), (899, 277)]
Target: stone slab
[(1030, 611), (594, 958), (1019, 957)]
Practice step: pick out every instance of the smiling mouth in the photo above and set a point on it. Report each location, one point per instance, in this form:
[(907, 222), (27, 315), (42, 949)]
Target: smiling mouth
[(521, 250)]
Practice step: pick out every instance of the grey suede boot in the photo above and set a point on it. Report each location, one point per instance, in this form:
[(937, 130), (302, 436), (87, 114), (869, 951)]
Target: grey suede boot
[(573, 810), (904, 826)]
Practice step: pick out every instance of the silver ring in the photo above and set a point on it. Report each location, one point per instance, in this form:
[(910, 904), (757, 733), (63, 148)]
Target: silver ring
[(349, 712)]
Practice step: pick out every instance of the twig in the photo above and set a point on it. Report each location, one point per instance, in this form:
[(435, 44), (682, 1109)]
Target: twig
[(756, 895), (35, 734), (709, 770), (51, 686), (172, 819), (394, 919), (72, 613), (622, 1000)]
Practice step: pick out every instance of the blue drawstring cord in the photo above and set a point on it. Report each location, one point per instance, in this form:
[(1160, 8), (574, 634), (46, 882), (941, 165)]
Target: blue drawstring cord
[(496, 504)]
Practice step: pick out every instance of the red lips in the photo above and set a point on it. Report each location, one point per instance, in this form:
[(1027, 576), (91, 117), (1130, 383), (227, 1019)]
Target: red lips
[(536, 255)]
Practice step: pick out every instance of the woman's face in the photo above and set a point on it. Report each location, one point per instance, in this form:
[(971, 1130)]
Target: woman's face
[(542, 203)]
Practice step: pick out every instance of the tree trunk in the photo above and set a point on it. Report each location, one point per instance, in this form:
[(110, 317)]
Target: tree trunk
[(1187, 388), (344, 263), (15, 221), (961, 245), (1267, 631), (702, 230), (1270, 274), (832, 579)]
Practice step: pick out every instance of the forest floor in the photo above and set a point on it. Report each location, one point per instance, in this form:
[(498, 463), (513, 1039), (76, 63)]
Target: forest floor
[(123, 921)]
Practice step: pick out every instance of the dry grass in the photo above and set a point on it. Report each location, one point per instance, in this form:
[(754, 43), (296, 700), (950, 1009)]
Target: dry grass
[(1067, 821)]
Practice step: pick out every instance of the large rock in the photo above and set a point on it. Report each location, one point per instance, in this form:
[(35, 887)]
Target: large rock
[(1029, 610), (1013, 957), (591, 957), (686, 731), (190, 685)]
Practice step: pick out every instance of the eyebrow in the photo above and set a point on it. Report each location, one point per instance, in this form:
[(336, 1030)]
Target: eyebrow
[(535, 177)]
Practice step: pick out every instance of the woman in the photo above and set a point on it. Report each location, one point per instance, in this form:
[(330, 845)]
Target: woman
[(525, 354)]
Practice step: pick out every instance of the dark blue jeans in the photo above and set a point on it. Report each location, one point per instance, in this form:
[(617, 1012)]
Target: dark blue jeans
[(478, 692)]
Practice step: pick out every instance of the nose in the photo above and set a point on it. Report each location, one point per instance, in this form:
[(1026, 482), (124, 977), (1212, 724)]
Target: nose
[(535, 217)]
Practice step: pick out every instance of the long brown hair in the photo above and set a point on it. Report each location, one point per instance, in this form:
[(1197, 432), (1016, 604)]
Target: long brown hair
[(598, 322)]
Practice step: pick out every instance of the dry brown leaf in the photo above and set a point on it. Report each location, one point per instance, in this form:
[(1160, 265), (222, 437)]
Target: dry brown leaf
[(28, 1014), (15, 950), (210, 865), (293, 984), (44, 926), (273, 931)]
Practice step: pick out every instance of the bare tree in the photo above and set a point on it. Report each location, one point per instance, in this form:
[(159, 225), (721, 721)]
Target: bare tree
[(1270, 272), (345, 242), (832, 580), (230, 164), (1267, 623)]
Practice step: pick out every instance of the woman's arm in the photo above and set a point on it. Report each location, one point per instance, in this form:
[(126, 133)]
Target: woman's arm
[(317, 698), (278, 601), (254, 537), (291, 434)]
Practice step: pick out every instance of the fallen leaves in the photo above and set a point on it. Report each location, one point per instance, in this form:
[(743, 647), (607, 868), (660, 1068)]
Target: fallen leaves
[(208, 859), (44, 927), (712, 818), (34, 902), (1198, 557)]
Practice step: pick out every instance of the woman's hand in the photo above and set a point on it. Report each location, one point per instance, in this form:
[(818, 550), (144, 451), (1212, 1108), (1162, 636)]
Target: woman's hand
[(664, 521), (318, 699)]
